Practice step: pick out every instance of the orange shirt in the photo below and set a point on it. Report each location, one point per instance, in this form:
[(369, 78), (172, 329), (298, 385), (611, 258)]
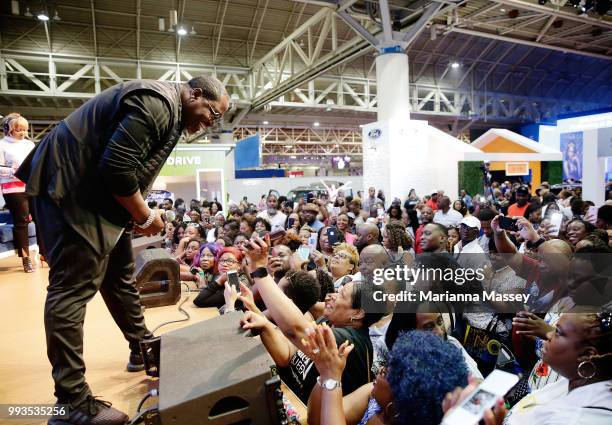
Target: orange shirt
[(515, 211), (433, 205)]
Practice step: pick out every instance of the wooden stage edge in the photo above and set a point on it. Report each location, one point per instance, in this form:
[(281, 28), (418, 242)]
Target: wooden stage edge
[(25, 372)]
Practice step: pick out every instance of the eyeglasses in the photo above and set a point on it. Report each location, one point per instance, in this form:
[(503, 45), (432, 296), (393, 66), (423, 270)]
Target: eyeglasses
[(341, 256), (217, 117), (228, 261)]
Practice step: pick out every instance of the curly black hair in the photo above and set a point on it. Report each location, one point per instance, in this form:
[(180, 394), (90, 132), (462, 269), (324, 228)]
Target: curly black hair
[(422, 369), (303, 289), (397, 235)]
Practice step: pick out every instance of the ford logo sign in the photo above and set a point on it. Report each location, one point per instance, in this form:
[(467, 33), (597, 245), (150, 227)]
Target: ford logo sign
[(375, 133)]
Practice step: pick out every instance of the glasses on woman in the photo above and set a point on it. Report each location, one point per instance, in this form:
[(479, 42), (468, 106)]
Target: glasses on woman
[(341, 256), (228, 261)]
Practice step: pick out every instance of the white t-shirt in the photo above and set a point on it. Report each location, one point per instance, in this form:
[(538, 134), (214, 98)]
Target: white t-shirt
[(469, 361), (553, 405), (451, 218), (277, 221)]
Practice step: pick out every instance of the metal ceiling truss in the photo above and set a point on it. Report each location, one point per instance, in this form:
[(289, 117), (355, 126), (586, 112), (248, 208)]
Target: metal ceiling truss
[(329, 93), (283, 141)]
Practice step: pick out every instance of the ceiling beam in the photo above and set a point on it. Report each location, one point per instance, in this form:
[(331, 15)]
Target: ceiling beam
[(527, 43), (93, 22)]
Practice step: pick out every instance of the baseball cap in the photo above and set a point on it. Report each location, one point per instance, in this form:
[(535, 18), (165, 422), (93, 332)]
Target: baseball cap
[(522, 190), (471, 221)]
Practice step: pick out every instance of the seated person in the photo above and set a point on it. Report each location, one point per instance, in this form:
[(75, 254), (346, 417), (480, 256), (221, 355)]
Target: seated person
[(343, 311), (403, 391), (228, 258)]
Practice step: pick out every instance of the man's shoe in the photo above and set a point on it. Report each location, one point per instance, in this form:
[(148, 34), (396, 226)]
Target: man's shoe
[(93, 412), (135, 363)]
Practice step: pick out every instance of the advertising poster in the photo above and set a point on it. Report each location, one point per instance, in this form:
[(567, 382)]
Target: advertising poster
[(571, 147)]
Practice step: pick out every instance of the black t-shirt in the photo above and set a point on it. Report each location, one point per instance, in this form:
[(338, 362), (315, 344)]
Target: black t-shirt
[(301, 374)]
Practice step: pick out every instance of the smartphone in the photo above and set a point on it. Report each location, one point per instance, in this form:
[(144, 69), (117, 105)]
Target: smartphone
[(555, 223), (312, 241), (303, 253), (332, 236), (232, 279), (335, 211), (290, 222), (508, 223), (263, 234), (381, 212), (471, 410), (193, 271)]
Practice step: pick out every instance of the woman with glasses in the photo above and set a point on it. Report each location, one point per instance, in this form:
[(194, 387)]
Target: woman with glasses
[(343, 263), (403, 391), (228, 259)]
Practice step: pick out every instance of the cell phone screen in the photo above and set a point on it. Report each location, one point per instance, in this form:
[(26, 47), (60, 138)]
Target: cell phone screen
[(332, 235), (232, 278), (290, 222), (508, 223), (303, 253)]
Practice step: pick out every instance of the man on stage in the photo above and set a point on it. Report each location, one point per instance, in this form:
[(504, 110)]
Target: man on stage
[(89, 177)]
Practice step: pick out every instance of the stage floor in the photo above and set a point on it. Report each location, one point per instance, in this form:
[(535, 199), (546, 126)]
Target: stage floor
[(25, 372)]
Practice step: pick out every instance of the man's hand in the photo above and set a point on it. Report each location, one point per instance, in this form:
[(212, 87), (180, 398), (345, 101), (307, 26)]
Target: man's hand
[(256, 251), (155, 227), (526, 230), (275, 264)]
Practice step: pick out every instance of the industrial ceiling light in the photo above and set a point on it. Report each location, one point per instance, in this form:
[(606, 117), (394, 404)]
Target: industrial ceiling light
[(316, 124), (193, 31), (14, 7), (265, 123), (43, 16), (56, 16), (28, 13), (455, 65), (181, 31)]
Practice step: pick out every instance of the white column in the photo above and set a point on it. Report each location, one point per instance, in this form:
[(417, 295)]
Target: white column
[(385, 141), (593, 169), (393, 100)]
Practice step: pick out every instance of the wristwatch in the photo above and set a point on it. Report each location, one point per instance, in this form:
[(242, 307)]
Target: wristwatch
[(536, 244), (329, 384), (259, 273)]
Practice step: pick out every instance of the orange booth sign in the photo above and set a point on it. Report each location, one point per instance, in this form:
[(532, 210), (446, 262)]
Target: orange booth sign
[(517, 168)]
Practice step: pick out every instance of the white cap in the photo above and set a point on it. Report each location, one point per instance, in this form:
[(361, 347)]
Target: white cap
[(471, 221)]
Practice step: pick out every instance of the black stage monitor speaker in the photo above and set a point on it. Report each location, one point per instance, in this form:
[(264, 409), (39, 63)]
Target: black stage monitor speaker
[(211, 373), (157, 277)]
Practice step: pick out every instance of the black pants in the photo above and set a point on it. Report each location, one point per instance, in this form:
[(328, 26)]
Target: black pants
[(17, 203), (76, 273)]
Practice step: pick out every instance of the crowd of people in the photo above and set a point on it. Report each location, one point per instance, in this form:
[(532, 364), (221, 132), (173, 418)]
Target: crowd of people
[(305, 270)]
